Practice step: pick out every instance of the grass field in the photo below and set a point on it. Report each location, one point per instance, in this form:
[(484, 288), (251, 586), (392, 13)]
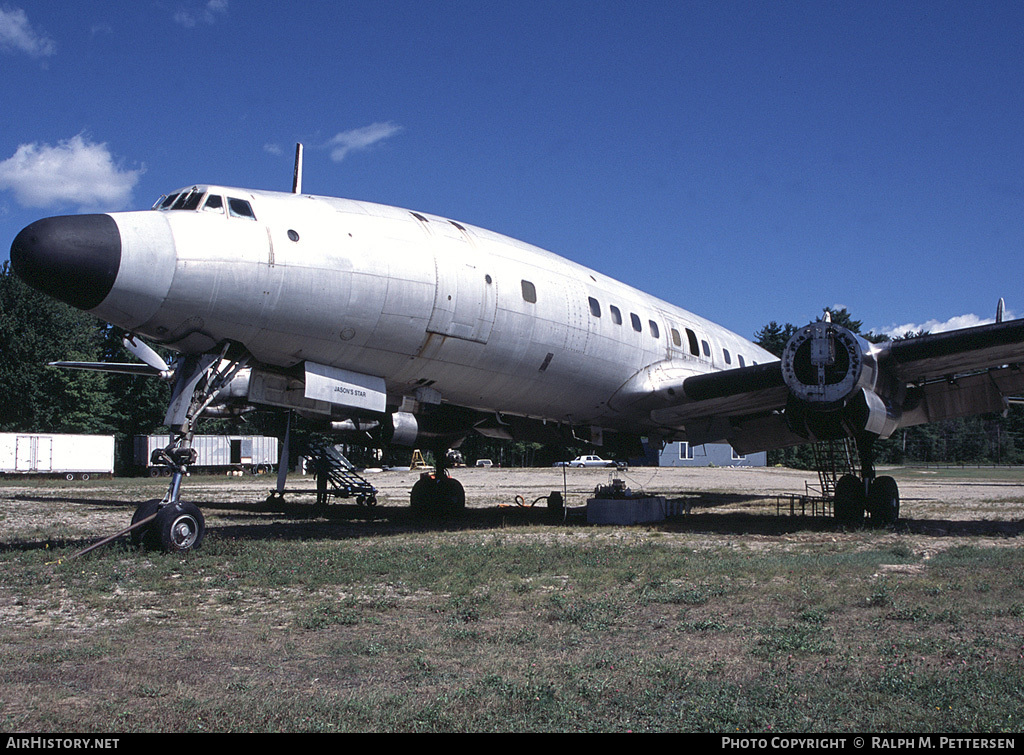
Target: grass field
[(730, 620)]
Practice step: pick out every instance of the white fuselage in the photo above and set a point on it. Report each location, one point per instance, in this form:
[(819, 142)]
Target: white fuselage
[(441, 311)]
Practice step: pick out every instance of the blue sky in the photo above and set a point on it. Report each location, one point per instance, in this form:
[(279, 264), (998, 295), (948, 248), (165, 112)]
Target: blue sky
[(750, 161)]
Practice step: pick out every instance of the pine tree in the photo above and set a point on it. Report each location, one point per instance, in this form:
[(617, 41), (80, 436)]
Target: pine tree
[(35, 330)]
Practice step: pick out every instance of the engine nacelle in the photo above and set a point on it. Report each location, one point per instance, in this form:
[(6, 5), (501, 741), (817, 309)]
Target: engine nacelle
[(836, 385), (404, 429)]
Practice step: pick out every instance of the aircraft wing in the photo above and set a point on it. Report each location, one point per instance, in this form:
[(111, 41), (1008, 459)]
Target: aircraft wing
[(939, 355), (872, 388), (743, 406)]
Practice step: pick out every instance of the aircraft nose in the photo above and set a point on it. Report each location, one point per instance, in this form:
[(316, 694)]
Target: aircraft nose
[(74, 258)]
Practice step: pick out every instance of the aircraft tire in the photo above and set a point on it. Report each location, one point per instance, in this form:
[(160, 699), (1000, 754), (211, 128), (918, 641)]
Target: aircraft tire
[(883, 501), (437, 497), (145, 536), (181, 527), (849, 501)]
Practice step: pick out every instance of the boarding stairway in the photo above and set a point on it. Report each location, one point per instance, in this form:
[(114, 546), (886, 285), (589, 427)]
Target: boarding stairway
[(337, 476)]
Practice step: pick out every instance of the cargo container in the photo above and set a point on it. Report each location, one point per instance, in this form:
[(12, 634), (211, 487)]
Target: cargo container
[(56, 454), (215, 454)]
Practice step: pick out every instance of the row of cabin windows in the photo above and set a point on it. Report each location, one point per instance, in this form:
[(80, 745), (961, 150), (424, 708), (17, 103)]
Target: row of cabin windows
[(634, 319), (696, 346)]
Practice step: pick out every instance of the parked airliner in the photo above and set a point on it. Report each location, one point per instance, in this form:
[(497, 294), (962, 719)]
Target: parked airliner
[(421, 329)]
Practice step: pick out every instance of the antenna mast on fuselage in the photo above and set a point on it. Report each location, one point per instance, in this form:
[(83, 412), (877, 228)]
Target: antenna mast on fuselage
[(297, 176)]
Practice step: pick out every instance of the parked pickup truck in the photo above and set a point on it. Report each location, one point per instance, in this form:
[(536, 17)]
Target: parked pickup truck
[(589, 461)]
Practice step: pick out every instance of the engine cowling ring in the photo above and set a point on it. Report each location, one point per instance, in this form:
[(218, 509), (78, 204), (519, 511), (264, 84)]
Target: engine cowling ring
[(823, 365)]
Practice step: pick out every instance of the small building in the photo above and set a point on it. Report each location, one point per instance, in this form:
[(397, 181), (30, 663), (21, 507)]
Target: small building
[(682, 454)]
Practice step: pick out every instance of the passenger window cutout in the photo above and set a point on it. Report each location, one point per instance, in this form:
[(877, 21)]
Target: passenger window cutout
[(655, 332), (636, 323), (595, 307), (728, 356), (676, 340), (529, 292), (616, 314), (707, 348)]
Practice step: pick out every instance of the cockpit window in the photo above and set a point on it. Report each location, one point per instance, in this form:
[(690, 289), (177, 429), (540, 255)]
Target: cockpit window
[(239, 208), (164, 202), (214, 203), (191, 202), (193, 199), (187, 200)]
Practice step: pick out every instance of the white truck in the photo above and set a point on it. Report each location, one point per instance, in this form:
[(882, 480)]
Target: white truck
[(56, 454)]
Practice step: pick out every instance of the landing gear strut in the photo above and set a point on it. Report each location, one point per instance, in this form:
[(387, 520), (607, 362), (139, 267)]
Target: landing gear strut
[(436, 494), (877, 497), (175, 525)]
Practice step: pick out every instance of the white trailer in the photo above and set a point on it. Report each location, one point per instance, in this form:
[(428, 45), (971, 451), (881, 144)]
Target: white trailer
[(53, 454), (214, 453)]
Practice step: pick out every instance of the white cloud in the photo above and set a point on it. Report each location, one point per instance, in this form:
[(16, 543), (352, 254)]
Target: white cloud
[(360, 138), (17, 35), (273, 149), (936, 326), (75, 172), (208, 13)]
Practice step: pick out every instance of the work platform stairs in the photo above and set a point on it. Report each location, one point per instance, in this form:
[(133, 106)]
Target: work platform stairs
[(337, 476), (833, 459)]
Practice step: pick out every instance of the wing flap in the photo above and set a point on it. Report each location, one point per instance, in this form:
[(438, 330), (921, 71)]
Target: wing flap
[(977, 393)]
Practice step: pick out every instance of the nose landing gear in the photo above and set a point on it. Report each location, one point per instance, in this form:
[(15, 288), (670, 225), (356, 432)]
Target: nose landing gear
[(172, 524)]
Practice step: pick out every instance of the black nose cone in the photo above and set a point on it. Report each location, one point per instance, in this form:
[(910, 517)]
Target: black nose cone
[(73, 258)]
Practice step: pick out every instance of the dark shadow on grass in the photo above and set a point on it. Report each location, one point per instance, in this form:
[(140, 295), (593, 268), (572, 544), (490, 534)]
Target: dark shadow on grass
[(282, 520), (112, 503)]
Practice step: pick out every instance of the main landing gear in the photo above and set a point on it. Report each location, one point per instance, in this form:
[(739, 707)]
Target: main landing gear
[(436, 494), (171, 524), (877, 498)]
